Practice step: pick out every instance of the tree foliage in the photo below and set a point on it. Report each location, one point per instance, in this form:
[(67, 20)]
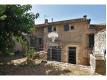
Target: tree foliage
[(14, 19), (2, 9)]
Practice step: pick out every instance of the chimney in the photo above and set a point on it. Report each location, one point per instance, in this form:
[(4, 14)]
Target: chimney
[(46, 21), (85, 16)]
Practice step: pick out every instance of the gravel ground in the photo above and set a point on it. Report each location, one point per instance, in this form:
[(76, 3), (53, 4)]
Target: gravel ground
[(42, 67)]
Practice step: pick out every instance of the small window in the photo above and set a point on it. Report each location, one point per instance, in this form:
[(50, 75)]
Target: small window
[(54, 28), (66, 27), (50, 29), (72, 27)]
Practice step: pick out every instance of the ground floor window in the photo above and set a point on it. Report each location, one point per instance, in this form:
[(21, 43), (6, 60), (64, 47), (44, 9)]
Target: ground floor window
[(54, 53)]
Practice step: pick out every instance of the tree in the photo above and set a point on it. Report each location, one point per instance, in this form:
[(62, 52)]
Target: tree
[(2, 9), (14, 19)]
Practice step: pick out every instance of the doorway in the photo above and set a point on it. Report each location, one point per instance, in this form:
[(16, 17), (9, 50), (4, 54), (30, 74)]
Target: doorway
[(72, 55)]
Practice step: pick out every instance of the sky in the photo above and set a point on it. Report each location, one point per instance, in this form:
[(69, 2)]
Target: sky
[(97, 13)]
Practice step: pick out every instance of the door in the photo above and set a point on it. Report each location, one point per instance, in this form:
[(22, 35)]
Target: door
[(72, 55)]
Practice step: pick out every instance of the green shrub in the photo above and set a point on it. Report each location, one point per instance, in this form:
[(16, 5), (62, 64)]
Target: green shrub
[(31, 54), (9, 52)]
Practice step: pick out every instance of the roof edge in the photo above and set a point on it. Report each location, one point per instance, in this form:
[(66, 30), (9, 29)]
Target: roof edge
[(64, 21)]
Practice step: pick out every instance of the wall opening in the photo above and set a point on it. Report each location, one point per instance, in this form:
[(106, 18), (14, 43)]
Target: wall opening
[(91, 41), (72, 55), (54, 53)]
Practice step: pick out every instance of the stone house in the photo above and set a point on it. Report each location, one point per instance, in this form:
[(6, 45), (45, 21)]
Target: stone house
[(74, 44), (98, 58), (100, 40)]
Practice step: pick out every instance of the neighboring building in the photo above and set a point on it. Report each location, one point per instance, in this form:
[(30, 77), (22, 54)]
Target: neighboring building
[(74, 44), (100, 41), (98, 61)]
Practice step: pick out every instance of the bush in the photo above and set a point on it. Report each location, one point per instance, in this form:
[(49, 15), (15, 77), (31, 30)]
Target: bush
[(9, 52), (31, 54)]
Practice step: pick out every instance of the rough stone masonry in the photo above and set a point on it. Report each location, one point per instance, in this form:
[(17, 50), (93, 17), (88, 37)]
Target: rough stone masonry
[(100, 42)]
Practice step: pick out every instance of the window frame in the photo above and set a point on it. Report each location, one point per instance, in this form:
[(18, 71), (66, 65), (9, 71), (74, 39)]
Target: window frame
[(54, 29), (50, 28), (72, 27), (66, 27)]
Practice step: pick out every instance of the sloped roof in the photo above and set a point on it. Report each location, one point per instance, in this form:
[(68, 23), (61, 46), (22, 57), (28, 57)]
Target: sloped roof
[(98, 26), (64, 21)]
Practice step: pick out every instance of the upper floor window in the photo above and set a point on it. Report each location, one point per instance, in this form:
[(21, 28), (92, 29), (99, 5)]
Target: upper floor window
[(72, 27), (50, 29), (66, 27), (54, 28)]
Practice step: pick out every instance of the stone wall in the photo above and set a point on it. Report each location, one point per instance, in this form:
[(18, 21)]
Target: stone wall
[(100, 42), (92, 62), (99, 64), (72, 38)]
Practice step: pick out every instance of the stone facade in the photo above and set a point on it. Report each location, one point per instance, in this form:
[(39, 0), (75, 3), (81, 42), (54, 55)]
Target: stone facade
[(99, 49), (77, 37), (71, 38), (98, 58), (100, 42)]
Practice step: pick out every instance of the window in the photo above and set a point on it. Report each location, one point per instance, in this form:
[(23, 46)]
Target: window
[(66, 27), (54, 28), (49, 28), (91, 40), (54, 53), (72, 27)]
